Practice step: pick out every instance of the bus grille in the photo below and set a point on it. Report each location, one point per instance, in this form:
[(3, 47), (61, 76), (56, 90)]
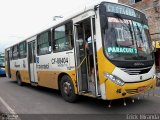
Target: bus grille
[(136, 71), (131, 91)]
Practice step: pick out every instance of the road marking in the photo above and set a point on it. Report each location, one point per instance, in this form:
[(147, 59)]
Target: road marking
[(9, 108)]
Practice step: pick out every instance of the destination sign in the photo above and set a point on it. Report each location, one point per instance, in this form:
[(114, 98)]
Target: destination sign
[(122, 50), (121, 9)]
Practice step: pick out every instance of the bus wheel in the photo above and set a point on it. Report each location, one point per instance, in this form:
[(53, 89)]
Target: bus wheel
[(19, 81), (67, 89)]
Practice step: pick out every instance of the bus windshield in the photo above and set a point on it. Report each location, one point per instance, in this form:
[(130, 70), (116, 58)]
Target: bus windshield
[(126, 39)]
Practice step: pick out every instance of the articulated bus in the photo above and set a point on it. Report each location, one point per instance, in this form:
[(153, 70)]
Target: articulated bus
[(103, 51)]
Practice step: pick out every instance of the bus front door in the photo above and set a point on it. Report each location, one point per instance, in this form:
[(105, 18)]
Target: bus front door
[(86, 69), (32, 62)]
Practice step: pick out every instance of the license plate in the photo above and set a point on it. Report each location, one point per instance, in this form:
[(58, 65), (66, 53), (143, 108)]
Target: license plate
[(141, 89)]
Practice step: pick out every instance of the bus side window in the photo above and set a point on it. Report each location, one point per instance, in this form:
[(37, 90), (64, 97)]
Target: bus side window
[(15, 52), (63, 38), (44, 43), (22, 50), (10, 53)]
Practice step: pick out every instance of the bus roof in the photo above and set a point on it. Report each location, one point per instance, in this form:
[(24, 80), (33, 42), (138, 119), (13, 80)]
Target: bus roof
[(77, 13)]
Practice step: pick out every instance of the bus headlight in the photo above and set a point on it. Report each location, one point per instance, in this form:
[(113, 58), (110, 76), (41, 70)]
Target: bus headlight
[(114, 79)]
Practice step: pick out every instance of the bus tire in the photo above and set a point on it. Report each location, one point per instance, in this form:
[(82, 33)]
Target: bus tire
[(67, 89), (19, 80)]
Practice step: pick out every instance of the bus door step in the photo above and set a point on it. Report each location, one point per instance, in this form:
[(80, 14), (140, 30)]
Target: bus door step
[(34, 84), (83, 91), (89, 94)]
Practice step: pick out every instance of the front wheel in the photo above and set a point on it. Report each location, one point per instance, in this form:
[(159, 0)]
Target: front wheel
[(67, 89)]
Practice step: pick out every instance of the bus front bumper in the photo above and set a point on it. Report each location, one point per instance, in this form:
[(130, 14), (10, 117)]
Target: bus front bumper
[(114, 91)]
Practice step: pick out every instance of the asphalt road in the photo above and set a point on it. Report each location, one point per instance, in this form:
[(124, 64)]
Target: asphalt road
[(31, 100)]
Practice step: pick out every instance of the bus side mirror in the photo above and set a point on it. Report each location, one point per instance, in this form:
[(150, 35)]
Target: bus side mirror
[(153, 46)]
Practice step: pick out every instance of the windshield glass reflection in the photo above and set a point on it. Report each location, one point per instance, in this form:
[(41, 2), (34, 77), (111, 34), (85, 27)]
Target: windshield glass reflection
[(127, 40)]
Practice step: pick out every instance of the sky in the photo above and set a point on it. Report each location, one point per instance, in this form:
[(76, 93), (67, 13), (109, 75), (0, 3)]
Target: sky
[(20, 19)]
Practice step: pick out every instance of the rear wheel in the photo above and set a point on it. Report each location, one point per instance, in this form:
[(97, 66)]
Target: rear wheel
[(67, 89), (19, 81)]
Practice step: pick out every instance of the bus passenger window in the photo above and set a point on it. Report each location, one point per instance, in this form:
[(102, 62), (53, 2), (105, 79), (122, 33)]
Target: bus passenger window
[(44, 43), (10, 53), (63, 39), (15, 52), (22, 50)]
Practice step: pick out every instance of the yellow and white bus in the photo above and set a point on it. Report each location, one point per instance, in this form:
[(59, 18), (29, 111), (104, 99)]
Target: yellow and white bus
[(103, 51)]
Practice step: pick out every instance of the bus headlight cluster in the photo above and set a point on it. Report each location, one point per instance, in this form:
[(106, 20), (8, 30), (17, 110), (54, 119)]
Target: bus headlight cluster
[(114, 79)]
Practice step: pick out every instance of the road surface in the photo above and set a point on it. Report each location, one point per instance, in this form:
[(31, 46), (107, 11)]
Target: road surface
[(29, 100)]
